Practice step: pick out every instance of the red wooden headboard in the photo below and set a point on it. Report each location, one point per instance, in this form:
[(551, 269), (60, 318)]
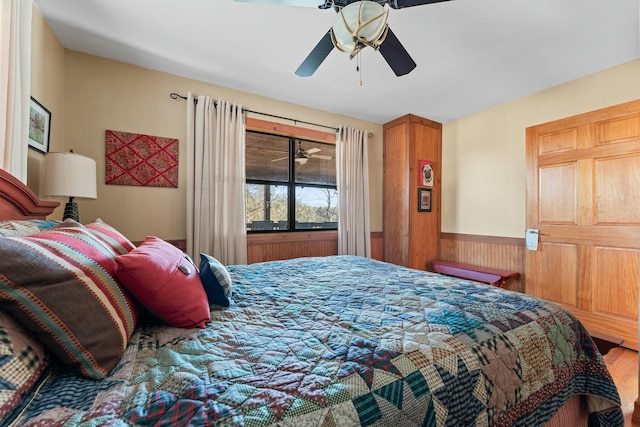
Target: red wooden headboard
[(17, 201)]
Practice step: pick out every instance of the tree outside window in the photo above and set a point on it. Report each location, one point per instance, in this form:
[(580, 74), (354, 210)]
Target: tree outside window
[(291, 184)]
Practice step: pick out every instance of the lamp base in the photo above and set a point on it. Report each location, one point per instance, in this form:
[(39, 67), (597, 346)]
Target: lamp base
[(71, 210)]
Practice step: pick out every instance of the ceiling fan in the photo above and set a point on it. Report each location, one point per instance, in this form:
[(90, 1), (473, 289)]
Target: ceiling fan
[(302, 156), (360, 23)]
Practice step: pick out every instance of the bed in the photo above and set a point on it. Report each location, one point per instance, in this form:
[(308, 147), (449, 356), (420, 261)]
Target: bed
[(331, 341)]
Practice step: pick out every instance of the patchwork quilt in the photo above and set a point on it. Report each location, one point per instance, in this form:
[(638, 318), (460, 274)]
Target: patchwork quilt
[(346, 341)]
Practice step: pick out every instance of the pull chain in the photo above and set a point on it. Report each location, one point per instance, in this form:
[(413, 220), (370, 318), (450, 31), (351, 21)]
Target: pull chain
[(359, 67)]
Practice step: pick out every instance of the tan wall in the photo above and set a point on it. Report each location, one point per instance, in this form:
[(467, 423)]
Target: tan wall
[(102, 94), (483, 177), (483, 181), (47, 86)]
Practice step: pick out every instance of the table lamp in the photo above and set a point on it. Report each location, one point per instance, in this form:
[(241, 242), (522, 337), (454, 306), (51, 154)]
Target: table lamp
[(70, 175)]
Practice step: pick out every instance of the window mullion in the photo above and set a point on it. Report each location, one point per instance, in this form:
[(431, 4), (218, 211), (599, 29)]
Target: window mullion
[(292, 185)]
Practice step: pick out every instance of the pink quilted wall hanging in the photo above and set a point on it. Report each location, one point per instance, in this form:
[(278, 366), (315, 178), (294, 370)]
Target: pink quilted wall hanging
[(134, 159)]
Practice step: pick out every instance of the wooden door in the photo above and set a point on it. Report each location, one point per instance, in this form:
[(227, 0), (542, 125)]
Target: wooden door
[(583, 195)]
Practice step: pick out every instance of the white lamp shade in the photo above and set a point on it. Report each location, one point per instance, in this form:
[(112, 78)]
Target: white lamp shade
[(70, 175), (360, 20)]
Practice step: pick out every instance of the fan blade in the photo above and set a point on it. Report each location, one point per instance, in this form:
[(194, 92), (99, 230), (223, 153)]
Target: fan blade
[(313, 150), (399, 4), (281, 158), (304, 3), (396, 55), (315, 58), (321, 156)]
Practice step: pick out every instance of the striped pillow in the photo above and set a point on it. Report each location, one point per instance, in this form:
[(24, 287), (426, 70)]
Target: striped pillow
[(111, 236), (105, 233), (24, 227), (60, 285)]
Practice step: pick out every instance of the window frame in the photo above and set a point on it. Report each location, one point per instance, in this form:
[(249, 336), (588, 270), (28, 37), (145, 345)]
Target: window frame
[(291, 132)]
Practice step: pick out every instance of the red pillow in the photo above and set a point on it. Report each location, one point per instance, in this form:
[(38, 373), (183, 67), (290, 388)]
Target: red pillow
[(166, 282)]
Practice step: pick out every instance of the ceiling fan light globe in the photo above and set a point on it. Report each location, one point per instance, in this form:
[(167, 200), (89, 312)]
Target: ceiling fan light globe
[(359, 21)]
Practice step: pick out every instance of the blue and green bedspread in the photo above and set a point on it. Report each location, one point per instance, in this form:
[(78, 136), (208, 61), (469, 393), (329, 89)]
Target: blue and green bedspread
[(347, 341)]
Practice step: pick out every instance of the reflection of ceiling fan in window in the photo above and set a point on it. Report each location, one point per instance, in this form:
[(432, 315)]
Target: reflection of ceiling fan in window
[(302, 156)]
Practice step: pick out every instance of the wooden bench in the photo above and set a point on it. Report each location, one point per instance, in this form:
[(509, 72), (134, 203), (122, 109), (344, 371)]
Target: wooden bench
[(491, 276), (495, 277)]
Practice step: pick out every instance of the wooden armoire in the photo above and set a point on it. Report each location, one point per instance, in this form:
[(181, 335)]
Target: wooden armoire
[(411, 202)]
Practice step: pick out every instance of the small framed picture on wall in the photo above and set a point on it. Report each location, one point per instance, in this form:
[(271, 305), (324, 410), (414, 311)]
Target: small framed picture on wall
[(39, 127), (424, 199), (425, 173)]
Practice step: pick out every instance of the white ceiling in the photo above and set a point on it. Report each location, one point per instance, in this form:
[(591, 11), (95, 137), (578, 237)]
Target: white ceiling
[(470, 54)]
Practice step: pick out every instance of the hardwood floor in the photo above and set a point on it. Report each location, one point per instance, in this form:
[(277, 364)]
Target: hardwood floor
[(623, 365)]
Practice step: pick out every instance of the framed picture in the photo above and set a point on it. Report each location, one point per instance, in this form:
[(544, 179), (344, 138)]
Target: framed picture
[(424, 199), (425, 173), (39, 127)]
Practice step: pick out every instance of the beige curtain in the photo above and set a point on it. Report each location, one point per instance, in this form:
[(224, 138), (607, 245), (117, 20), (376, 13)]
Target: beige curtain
[(15, 85), (354, 234), (215, 180)]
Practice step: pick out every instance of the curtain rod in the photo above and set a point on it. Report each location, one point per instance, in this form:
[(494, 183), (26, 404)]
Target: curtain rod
[(175, 96)]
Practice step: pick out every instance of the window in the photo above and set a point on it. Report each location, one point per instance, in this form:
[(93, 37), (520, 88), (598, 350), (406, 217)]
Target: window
[(291, 184)]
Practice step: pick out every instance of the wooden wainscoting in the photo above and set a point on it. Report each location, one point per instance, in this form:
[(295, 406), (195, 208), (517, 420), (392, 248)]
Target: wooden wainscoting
[(275, 246), (377, 245), (504, 253)]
